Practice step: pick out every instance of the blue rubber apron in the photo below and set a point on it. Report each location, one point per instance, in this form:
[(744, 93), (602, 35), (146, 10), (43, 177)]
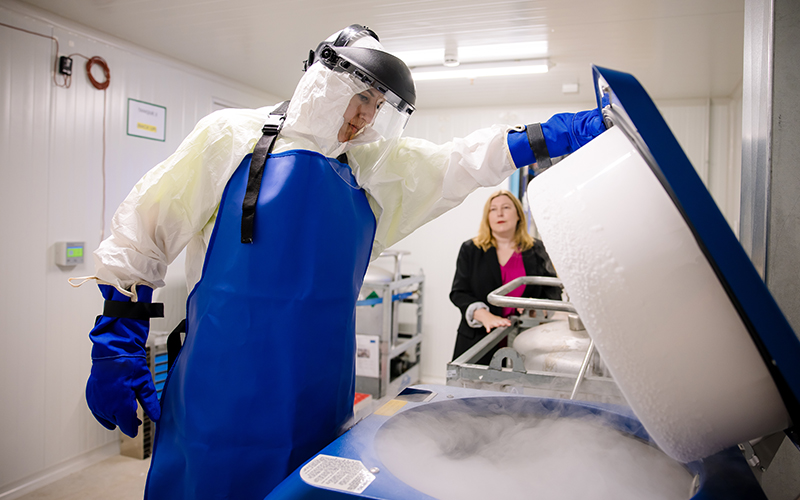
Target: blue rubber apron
[(265, 377)]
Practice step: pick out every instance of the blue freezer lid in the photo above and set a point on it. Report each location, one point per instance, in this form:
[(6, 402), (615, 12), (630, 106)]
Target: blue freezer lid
[(769, 329)]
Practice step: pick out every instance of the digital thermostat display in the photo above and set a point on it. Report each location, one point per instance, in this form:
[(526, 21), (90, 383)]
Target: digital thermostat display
[(69, 253)]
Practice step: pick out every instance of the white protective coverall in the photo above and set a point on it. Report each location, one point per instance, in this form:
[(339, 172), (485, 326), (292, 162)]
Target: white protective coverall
[(174, 205)]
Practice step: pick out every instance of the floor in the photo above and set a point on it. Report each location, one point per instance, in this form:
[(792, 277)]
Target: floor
[(117, 478), (123, 478)]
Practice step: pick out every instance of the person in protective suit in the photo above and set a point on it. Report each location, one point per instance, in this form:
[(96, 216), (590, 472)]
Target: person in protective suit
[(278, 219)]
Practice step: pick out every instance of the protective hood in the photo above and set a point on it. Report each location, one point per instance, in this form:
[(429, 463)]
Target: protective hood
[(316, 111), (317, 108)]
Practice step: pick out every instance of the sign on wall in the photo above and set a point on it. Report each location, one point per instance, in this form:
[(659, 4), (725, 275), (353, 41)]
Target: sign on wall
[(147, 120)]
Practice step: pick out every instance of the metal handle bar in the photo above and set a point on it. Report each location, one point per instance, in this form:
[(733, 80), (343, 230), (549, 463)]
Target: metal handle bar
[(584, 366), (499, 298)]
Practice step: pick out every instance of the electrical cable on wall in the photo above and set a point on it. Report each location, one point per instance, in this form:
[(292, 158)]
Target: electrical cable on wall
[(63, 66), (102, 63), (90, 62)]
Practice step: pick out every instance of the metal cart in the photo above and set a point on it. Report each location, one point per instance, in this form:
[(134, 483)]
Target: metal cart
[(388, 350), (506, 371)]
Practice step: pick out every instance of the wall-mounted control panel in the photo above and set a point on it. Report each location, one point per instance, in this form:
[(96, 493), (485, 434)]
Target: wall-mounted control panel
[(69, 253)]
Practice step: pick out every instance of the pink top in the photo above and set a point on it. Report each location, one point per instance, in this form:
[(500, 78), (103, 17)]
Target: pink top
[(513, 269)]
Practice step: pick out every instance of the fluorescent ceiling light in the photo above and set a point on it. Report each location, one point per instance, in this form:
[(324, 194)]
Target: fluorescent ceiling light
[(472, 71), (476, 53), (504, 51), (425, 57)]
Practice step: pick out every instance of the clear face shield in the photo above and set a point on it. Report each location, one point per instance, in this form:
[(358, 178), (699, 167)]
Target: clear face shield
[(336, 112), (390, 121), (388, 110), (344, 102), (371, 116), (373, 122)]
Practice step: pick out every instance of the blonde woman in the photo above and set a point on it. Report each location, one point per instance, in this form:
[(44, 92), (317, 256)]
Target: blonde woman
[(502, 251)]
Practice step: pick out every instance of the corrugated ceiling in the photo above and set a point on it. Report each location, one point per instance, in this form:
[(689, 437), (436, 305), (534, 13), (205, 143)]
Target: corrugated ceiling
[(679, 49)]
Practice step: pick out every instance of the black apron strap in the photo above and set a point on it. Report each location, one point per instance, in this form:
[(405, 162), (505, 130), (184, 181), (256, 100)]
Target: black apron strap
[(259, 159), (174, 343)]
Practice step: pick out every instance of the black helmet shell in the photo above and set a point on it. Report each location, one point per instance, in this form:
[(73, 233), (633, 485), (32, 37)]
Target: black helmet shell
[(380, 69)]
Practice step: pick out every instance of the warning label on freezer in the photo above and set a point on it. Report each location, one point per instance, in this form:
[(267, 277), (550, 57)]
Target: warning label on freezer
[(337, 473)]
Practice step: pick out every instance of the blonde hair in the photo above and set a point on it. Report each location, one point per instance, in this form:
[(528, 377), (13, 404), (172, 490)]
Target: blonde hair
[(485, 238)]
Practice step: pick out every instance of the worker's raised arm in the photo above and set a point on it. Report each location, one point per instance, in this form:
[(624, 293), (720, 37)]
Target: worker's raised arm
[(419, 181)]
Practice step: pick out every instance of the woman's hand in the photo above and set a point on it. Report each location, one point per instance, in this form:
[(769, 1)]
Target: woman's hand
[(489, 320)]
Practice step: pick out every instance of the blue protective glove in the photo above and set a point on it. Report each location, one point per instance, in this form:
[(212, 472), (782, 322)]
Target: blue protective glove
[(565, 133), (120, 375), (561, 135)]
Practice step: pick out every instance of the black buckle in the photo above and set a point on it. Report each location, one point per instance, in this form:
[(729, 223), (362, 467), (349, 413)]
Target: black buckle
[(275, 119), (273, 125)]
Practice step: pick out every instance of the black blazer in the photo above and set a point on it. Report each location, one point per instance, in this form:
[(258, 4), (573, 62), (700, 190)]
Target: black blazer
[(478, 274)]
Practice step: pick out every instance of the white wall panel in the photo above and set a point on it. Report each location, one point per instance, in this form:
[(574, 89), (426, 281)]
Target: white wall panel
[(734, 179), (24, 113), (51, 173), (689, 122), (724, 162), (74, 215)]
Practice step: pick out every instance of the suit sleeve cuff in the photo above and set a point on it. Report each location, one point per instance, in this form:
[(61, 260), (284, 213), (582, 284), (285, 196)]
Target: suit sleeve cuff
[(472, 322), (519, 147)]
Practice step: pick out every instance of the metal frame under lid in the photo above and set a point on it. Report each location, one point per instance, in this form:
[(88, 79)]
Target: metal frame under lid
[(775, 339)]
